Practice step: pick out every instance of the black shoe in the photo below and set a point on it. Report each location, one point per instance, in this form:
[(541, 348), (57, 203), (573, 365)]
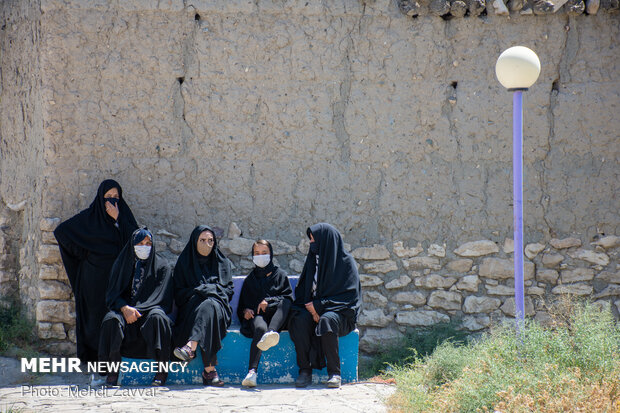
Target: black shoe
[(304, 379), (111, 379), (160, 379)]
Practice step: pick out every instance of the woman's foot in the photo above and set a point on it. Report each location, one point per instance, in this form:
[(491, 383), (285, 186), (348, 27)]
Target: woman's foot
[(334, 381), (304, 379), (211, 379), (160, 379), (184, 353), (96, 380), (111, 379), (268, 340), (250, 379)]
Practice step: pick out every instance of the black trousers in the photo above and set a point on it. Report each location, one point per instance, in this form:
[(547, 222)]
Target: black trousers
[(148, 337), (273, 319), (313, 349)]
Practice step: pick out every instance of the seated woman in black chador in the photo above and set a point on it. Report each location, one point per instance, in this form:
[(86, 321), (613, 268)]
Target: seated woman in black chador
[(264, 303), (203, 289), (138, 297), (89, 243), (326, 306)]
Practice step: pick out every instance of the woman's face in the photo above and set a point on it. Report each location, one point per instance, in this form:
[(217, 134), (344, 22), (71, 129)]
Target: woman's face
[(146, 241), (112, 193), (205, 243), (261, 249)]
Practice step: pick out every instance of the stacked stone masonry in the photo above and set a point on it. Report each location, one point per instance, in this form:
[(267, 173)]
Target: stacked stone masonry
[(472, 285), (449, 9)]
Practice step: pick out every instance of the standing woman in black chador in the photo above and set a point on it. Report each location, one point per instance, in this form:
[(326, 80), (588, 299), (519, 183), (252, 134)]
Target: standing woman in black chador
[(138, 298), (203, 289), (89, 243), (264, 303), (327, 303)]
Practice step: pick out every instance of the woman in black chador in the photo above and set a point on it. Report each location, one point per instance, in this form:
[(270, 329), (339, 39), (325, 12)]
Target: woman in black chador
[(326, 306), (138, 297), (89, 243), (264, 303), (203, 289)]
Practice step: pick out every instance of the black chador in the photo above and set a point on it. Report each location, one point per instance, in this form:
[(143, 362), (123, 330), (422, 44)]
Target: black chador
[(203, 289), (330, 281), (89, 243), (269, 283), (138, 298)]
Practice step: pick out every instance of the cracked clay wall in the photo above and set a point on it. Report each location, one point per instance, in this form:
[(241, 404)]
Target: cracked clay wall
[(274, 115), (21, 149)]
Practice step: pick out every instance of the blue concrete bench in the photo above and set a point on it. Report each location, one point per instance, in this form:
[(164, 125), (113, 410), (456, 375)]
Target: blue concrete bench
[(277, 365)]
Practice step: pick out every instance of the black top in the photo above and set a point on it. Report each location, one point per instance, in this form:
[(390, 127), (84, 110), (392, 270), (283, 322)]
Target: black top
[(338, 282), (258, 287), (93, 231), (154, 287), (207, 277)]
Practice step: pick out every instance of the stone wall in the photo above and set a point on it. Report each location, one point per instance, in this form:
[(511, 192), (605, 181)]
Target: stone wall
[(279, 114), (404, 286)]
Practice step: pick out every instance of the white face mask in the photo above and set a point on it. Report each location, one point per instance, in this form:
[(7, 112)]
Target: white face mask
[(261, 260), (142, 251)]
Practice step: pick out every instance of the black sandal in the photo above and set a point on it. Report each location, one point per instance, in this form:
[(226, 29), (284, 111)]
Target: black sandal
[(184, 353), (211, 379)]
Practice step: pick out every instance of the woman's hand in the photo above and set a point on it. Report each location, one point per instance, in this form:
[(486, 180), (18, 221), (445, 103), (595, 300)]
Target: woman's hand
[(311, 310), (131, 314), (112, 210), (248, 314), (262, 307)]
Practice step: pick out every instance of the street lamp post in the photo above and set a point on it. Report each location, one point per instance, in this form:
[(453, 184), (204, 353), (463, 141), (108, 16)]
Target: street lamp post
[(517, 69)]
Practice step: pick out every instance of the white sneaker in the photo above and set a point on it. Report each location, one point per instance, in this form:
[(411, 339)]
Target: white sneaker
[(250, 379), (96, 380), (268, 340), (334, 381)]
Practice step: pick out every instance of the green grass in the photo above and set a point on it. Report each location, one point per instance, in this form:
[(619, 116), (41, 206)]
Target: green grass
[(570, 365), (16, 330), (417, 343)]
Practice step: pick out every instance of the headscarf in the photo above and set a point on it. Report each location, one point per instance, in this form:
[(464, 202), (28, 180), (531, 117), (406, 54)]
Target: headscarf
[(258, 287), (338, 282), (93, 230), (193, 272), (155, 287)]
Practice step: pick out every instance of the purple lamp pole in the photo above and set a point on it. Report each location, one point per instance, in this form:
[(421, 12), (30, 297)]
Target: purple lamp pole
[(517, 195), (517, 69)]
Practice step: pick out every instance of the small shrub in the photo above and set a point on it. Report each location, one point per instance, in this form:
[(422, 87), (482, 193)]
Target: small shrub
[(15, 328), (571, 365), (418, 343)]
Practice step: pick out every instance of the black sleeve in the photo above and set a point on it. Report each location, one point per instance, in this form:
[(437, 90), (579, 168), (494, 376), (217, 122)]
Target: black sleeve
[(243, 304), (182, 291), (70, 252), (114, 293)]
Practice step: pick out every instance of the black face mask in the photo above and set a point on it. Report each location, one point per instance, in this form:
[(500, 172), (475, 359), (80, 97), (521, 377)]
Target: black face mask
[(314, 248), (113, 201)]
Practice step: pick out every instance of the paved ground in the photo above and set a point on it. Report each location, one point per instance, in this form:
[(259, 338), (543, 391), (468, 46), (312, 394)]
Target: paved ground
[(70, 392)]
